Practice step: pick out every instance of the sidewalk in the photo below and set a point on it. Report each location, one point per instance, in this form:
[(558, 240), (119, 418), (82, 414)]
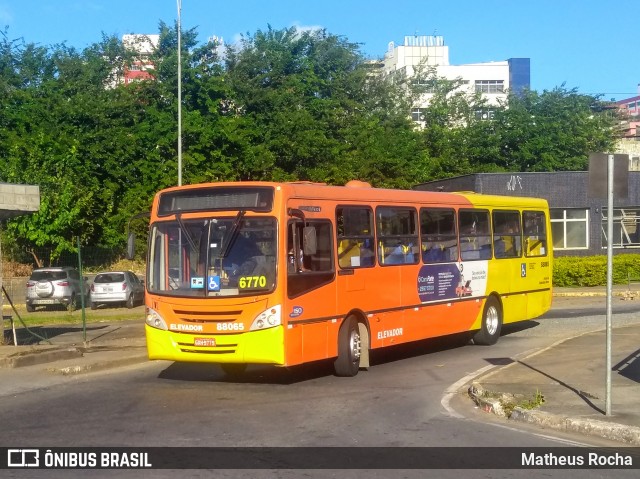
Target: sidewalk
[(70, 350), (569, 374)]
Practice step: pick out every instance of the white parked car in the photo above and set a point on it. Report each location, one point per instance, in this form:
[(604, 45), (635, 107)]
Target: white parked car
[(116, 287), (55, 287)]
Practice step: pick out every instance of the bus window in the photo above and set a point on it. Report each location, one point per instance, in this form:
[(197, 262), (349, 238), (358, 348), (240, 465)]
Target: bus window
[(535, 233), (397, 230), (439, 242), (355, 236), (507, 240), (475, 234), (309, 270), (210, 257)]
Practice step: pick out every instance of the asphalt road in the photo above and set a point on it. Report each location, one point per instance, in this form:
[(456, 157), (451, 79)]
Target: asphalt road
[(399, 402)]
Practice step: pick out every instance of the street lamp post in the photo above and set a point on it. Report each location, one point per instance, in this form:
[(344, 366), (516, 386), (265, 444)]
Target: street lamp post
[(179, 2)]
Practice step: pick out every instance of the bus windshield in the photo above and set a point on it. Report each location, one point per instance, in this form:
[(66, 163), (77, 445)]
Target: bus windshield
[(212, 257)]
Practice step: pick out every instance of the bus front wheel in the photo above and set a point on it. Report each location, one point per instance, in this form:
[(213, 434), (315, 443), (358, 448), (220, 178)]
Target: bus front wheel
[(349, 348), (489, 332)]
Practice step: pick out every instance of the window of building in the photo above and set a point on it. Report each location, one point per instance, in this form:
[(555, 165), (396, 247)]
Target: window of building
[(490, 86), (439, 241), (484, 114), (397, 230), (570, 228), (418, 114), (626, 227), (355, 236)]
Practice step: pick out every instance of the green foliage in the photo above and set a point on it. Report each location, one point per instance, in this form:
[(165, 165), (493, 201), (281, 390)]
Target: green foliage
[(280, 105), (592, 270)]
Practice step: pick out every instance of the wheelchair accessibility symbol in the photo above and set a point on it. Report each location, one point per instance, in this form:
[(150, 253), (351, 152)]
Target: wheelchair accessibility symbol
[(213, 284), (523, 270)]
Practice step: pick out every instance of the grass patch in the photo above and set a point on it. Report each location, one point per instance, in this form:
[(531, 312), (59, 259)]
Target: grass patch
[(50, 317), (509, 402)]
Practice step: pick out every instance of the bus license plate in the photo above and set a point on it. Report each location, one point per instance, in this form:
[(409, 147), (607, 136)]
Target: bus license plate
[(204, 342)]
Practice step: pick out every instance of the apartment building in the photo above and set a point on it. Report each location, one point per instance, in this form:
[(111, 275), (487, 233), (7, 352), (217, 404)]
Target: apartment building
[(143, 46), (494, 80)]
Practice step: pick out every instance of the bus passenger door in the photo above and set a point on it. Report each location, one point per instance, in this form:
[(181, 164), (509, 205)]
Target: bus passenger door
[(311, 297)]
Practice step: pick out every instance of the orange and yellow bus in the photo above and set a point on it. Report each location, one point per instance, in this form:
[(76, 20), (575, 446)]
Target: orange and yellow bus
[(288, 273)]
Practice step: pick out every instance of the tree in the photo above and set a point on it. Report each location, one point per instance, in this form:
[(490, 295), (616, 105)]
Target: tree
[(316, 111), (280, 105), (553, 131)]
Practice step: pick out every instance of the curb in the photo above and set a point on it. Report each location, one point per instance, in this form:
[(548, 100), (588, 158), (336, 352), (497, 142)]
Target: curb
[(31, 358), (491, 402), (99, 365), (593, 294)]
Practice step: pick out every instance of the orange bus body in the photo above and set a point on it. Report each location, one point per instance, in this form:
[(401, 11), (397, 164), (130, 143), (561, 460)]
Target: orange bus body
[(315, 301)]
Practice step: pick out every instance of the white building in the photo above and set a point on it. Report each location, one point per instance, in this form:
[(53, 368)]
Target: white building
[(493, 79)]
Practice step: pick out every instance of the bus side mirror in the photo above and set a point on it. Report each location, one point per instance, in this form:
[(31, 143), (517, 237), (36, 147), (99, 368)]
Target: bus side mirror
[(309, 240), (131, 246)]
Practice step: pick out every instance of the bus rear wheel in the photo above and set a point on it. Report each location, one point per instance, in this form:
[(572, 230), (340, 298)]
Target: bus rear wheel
[(347, 363), (489, 332)]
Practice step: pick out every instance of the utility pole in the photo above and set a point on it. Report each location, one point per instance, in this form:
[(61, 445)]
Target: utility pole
[(179, 2)]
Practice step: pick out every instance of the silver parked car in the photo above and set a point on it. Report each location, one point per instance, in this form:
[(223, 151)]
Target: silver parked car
[(55, 286), (117, 287)]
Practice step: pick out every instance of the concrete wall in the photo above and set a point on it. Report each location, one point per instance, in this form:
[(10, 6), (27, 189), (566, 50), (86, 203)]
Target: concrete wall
[(18, 199)]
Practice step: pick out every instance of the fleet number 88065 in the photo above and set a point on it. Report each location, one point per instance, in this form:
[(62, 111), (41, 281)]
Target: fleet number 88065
[(230, 327)]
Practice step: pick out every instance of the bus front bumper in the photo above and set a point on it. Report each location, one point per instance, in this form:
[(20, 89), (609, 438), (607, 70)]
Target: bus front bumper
[(257, 347)]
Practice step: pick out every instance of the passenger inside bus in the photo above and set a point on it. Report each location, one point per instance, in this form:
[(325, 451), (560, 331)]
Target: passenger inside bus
[(291, 266), (244, 259), (434, 254)]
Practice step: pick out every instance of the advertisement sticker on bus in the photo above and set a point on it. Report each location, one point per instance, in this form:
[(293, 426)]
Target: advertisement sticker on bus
[(438, 282)]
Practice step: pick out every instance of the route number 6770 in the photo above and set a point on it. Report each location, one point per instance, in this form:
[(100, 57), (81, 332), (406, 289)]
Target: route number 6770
[(252, 282)]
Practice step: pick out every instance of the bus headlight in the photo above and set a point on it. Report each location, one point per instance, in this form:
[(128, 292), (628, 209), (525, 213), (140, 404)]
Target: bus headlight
[(269, 318), (154, 320)]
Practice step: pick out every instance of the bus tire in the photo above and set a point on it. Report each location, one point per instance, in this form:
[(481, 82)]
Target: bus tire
[(347, 363), (489, 332)]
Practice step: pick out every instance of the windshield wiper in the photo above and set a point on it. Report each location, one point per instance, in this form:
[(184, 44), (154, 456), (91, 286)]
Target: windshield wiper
[(233, 234), (185, 231)]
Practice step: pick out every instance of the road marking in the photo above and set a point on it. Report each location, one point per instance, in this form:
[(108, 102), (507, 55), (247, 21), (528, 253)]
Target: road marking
[(455, 388)]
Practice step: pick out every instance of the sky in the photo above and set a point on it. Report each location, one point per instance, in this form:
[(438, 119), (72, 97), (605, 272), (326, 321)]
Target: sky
[(590, 45)]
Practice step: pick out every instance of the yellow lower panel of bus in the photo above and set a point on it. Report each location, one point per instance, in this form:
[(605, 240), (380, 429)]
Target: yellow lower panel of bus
[(258, 347)]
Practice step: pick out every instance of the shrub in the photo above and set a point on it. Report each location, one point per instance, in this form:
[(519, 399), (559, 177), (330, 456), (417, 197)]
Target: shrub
[(592, 270)]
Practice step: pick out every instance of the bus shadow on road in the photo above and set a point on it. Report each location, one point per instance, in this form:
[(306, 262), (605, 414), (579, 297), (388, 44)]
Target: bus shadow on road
[(261, 374), (513, 328), (419, 348), (255, 374)]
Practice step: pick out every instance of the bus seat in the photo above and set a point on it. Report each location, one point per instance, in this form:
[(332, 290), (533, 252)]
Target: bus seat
[(348, 253), (485, 251), (435, 255)]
